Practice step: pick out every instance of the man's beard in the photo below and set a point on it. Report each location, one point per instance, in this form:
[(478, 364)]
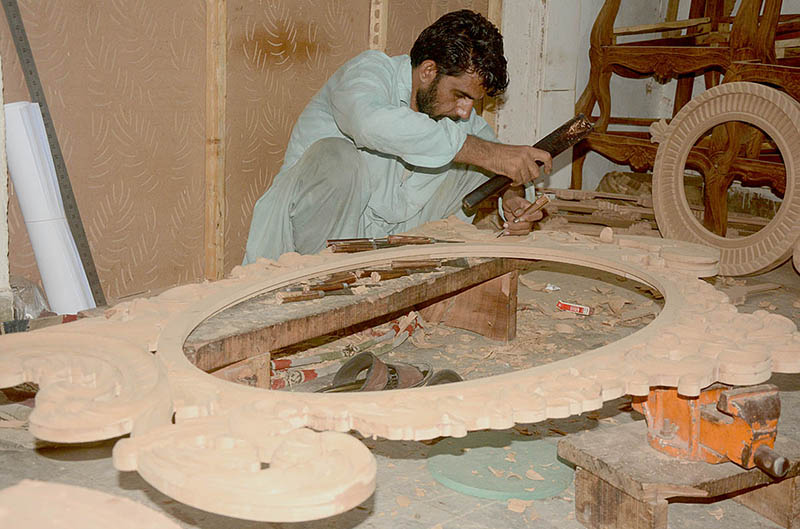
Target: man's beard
[(426, 99)]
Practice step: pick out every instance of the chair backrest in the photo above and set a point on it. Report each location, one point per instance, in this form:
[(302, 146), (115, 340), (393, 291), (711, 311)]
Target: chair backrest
[(752, 35)]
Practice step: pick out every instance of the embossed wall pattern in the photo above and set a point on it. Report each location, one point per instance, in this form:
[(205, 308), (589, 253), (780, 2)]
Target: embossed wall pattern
[(279, 55), (407, 18), (123, 80)]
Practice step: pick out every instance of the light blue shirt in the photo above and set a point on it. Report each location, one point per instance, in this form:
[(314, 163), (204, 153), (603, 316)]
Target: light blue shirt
[(408, 154)]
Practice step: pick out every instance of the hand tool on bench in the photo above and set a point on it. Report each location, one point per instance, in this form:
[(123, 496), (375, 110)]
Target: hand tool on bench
[(365, 244), (554, 143), (724, 423)]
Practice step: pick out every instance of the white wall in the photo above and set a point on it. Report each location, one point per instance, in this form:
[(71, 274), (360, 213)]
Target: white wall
[(547, 46)]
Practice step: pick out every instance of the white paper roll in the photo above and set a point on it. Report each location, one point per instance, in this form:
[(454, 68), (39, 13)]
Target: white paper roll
[(54, 247), (30, 165)]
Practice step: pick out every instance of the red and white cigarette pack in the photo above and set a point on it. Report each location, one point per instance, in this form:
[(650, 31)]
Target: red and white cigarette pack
[(573, 307)]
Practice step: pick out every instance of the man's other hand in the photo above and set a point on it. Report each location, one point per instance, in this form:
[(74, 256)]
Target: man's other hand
[(513, 208), (518, 162)]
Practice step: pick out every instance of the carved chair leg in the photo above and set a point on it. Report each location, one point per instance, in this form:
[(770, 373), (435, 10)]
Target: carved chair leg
[(602, 90), (715, 201), (683, 92), (578, 158), (726, 140)]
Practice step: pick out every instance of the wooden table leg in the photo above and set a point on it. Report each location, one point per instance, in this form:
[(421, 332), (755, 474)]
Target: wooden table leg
[(778, 502), (600, 505)]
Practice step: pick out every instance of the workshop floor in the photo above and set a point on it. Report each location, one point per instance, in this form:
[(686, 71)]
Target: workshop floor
[(407, 496)]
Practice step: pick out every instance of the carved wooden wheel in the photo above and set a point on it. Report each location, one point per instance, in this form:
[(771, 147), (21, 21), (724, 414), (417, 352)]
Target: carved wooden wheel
[(772, 111), (281, 456)]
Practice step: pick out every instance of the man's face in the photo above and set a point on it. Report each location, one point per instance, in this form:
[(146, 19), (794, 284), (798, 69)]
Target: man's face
[(450, 96)]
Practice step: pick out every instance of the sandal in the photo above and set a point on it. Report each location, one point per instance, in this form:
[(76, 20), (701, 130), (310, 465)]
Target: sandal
[(381, 376)]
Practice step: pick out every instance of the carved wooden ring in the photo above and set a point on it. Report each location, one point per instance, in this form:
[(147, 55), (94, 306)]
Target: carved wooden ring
[(213, 456), (775, 113)]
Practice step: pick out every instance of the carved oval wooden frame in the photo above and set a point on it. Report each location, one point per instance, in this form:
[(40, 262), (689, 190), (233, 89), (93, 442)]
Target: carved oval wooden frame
[(212, 457), (774, 112)]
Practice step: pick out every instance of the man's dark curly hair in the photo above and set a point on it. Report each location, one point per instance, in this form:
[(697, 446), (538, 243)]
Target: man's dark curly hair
[(464, 42)]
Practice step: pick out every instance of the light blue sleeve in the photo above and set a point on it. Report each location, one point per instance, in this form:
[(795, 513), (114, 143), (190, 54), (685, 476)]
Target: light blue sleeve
[(361, 101)]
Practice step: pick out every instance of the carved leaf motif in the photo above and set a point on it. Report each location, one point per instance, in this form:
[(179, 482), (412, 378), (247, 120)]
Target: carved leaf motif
[(658, 131), (639, 159)]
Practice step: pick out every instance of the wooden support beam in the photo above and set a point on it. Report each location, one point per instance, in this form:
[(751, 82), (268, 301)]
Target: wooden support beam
[(216, 48), (672, 16), (663, 26)]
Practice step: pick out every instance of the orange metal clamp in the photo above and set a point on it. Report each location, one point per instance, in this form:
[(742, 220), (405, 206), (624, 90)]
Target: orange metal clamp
[(723, 423)]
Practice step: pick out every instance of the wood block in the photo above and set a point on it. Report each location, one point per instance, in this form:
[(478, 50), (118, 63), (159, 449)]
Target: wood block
[(600, 505), (489, 309), (778, 502), (254, 371)]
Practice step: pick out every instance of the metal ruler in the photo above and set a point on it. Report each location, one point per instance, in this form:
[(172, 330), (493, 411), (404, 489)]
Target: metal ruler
[(67, 197)]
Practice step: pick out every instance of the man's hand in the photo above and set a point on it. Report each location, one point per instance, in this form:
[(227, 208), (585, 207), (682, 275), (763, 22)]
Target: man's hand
[(518, 162), (514, 204)]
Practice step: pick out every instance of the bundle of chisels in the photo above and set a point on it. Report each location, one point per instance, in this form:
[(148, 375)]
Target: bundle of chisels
[(365, 244), (339, 283)]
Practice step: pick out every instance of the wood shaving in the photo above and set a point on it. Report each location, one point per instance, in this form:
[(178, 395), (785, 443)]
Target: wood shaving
[(517, 505), (717, 513), (419, 341), (532, 474), (403, 501), (563, 328), (420, 493), (533, 285), (564, 315), (497, 473), (511, 456)]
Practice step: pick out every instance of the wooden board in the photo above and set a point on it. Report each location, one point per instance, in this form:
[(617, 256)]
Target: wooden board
[(256, 327)]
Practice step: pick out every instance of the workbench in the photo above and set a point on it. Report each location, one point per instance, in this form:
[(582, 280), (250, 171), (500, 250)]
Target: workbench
[(621, 482), (236, 344)]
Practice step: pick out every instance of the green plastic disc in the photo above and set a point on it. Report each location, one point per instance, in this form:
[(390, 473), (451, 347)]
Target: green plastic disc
[(499, 466)]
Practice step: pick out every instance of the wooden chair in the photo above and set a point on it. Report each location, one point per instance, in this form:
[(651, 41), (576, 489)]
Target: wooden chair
[(713, 41), (715, 44)]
